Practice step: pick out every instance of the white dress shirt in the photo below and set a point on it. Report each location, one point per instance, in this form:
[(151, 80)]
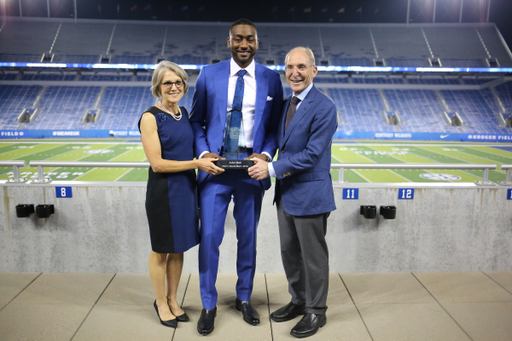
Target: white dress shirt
[(249, 101)]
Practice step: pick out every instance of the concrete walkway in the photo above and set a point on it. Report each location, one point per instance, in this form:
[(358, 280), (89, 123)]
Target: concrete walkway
[(362, 306)]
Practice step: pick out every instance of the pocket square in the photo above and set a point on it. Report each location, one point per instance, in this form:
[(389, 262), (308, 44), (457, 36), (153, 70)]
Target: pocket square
[(269, 98)]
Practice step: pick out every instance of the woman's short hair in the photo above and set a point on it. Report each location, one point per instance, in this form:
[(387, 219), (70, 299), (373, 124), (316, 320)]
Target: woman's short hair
[(159, 72)]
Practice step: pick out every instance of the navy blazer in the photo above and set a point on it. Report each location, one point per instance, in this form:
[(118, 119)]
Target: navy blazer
[(304, 163), (209, 109)]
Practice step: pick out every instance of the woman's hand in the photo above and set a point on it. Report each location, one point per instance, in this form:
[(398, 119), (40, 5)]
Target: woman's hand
[(207, 165)]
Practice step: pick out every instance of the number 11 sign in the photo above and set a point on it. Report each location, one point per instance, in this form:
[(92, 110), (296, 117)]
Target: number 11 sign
[(350, 193)]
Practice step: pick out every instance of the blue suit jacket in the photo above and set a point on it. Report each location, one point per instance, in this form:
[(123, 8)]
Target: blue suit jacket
[(209, 109), (303, 168)]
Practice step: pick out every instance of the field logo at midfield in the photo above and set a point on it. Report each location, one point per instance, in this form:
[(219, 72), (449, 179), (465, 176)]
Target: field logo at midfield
[(99, 151), (440, 177)]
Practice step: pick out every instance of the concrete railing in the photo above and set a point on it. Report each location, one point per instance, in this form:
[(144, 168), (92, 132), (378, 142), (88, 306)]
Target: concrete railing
[(16, 169), (485, 167)]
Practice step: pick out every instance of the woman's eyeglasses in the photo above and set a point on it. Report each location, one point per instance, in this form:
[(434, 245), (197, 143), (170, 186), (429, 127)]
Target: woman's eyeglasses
[(168, 85)]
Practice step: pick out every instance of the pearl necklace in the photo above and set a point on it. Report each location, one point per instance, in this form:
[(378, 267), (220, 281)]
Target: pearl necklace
[(177, 117)]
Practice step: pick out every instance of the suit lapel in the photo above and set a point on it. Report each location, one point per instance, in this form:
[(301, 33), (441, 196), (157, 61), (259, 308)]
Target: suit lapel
[(300, 113), (261, 96), (222, 82), (282, 123)]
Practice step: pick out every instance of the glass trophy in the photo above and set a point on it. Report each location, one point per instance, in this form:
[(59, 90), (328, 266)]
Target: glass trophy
[(233, 154)]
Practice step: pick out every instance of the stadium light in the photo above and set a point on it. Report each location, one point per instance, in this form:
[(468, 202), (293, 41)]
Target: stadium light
[(321, 68)]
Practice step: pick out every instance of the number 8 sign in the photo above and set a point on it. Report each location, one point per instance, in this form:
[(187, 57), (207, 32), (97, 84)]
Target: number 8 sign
[(63, 192)]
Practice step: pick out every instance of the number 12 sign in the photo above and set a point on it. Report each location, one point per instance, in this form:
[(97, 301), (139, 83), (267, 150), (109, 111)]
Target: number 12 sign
[(406, 193)]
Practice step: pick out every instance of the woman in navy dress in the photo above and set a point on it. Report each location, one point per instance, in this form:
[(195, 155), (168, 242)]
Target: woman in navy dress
[(171, 199)]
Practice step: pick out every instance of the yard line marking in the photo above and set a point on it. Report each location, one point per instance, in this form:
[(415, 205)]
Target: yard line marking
[(353, 170)]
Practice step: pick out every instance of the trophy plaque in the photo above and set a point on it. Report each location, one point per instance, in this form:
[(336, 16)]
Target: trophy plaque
[(234, 156)]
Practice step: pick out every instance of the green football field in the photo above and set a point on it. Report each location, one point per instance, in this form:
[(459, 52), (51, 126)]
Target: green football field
[(342, 152)]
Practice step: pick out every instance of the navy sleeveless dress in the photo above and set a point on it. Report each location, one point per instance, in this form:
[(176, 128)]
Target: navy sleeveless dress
[(171, 198)]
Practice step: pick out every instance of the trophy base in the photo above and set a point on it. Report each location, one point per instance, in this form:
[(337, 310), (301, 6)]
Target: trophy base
[(234, 164)]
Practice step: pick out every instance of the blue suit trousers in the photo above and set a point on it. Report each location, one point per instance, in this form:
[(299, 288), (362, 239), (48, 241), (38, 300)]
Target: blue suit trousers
[(215, 194)]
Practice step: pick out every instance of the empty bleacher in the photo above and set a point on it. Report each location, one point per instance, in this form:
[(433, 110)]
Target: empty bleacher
[(13, 99), (420, 110), (365, 101), (477, 109), (85, 41), (62, 107), (359, 110)]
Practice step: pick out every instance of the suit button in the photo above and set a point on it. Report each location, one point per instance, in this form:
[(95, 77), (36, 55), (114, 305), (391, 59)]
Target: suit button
[(218, 150), (282, 151)]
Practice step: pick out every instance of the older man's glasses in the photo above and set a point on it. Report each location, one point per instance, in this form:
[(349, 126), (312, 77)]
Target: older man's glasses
[(168, 85), (300, 68)]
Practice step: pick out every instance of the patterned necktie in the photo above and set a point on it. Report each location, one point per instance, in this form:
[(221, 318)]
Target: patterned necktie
[(239, 91), (291, 110)]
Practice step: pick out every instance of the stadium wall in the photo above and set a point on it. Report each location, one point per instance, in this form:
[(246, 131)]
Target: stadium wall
[(103, 228), (340, 134)]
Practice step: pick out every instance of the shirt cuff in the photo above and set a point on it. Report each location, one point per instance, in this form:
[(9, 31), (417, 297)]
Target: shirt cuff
[(202, 154), (271, 170), (269, 158)]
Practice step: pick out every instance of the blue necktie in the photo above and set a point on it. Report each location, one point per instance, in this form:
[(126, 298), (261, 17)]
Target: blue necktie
[(239, 91), (234, 136)]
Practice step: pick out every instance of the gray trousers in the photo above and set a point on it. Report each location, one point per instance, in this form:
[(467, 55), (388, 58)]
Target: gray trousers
[(305, 258)]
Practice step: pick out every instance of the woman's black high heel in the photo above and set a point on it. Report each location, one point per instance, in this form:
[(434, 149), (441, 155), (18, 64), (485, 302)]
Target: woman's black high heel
[(182, 318), (171, 323)]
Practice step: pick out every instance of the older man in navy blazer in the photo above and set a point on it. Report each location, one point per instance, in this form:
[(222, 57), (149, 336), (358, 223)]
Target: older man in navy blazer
[(304, 193), (215, 95)]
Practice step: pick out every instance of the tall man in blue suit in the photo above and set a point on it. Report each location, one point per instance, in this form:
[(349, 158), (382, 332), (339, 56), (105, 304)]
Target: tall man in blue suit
[(304, 193), (216, 92)]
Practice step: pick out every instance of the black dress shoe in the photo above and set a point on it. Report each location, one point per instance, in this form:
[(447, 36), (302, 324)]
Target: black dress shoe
[(250, 314), (308, 325), (171, 323), (205, 323), (288, 312)]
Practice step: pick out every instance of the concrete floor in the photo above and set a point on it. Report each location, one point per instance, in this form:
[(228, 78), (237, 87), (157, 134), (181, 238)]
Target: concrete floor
[(362, 306)]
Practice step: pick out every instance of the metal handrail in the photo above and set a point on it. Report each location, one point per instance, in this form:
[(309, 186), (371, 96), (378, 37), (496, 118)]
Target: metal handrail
[(340, 166), (508, 175), (16, 169), (484, 167), (112, 164)]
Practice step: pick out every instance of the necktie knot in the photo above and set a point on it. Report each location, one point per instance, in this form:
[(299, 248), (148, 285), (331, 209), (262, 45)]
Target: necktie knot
[(241, 73), (295, 100)]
